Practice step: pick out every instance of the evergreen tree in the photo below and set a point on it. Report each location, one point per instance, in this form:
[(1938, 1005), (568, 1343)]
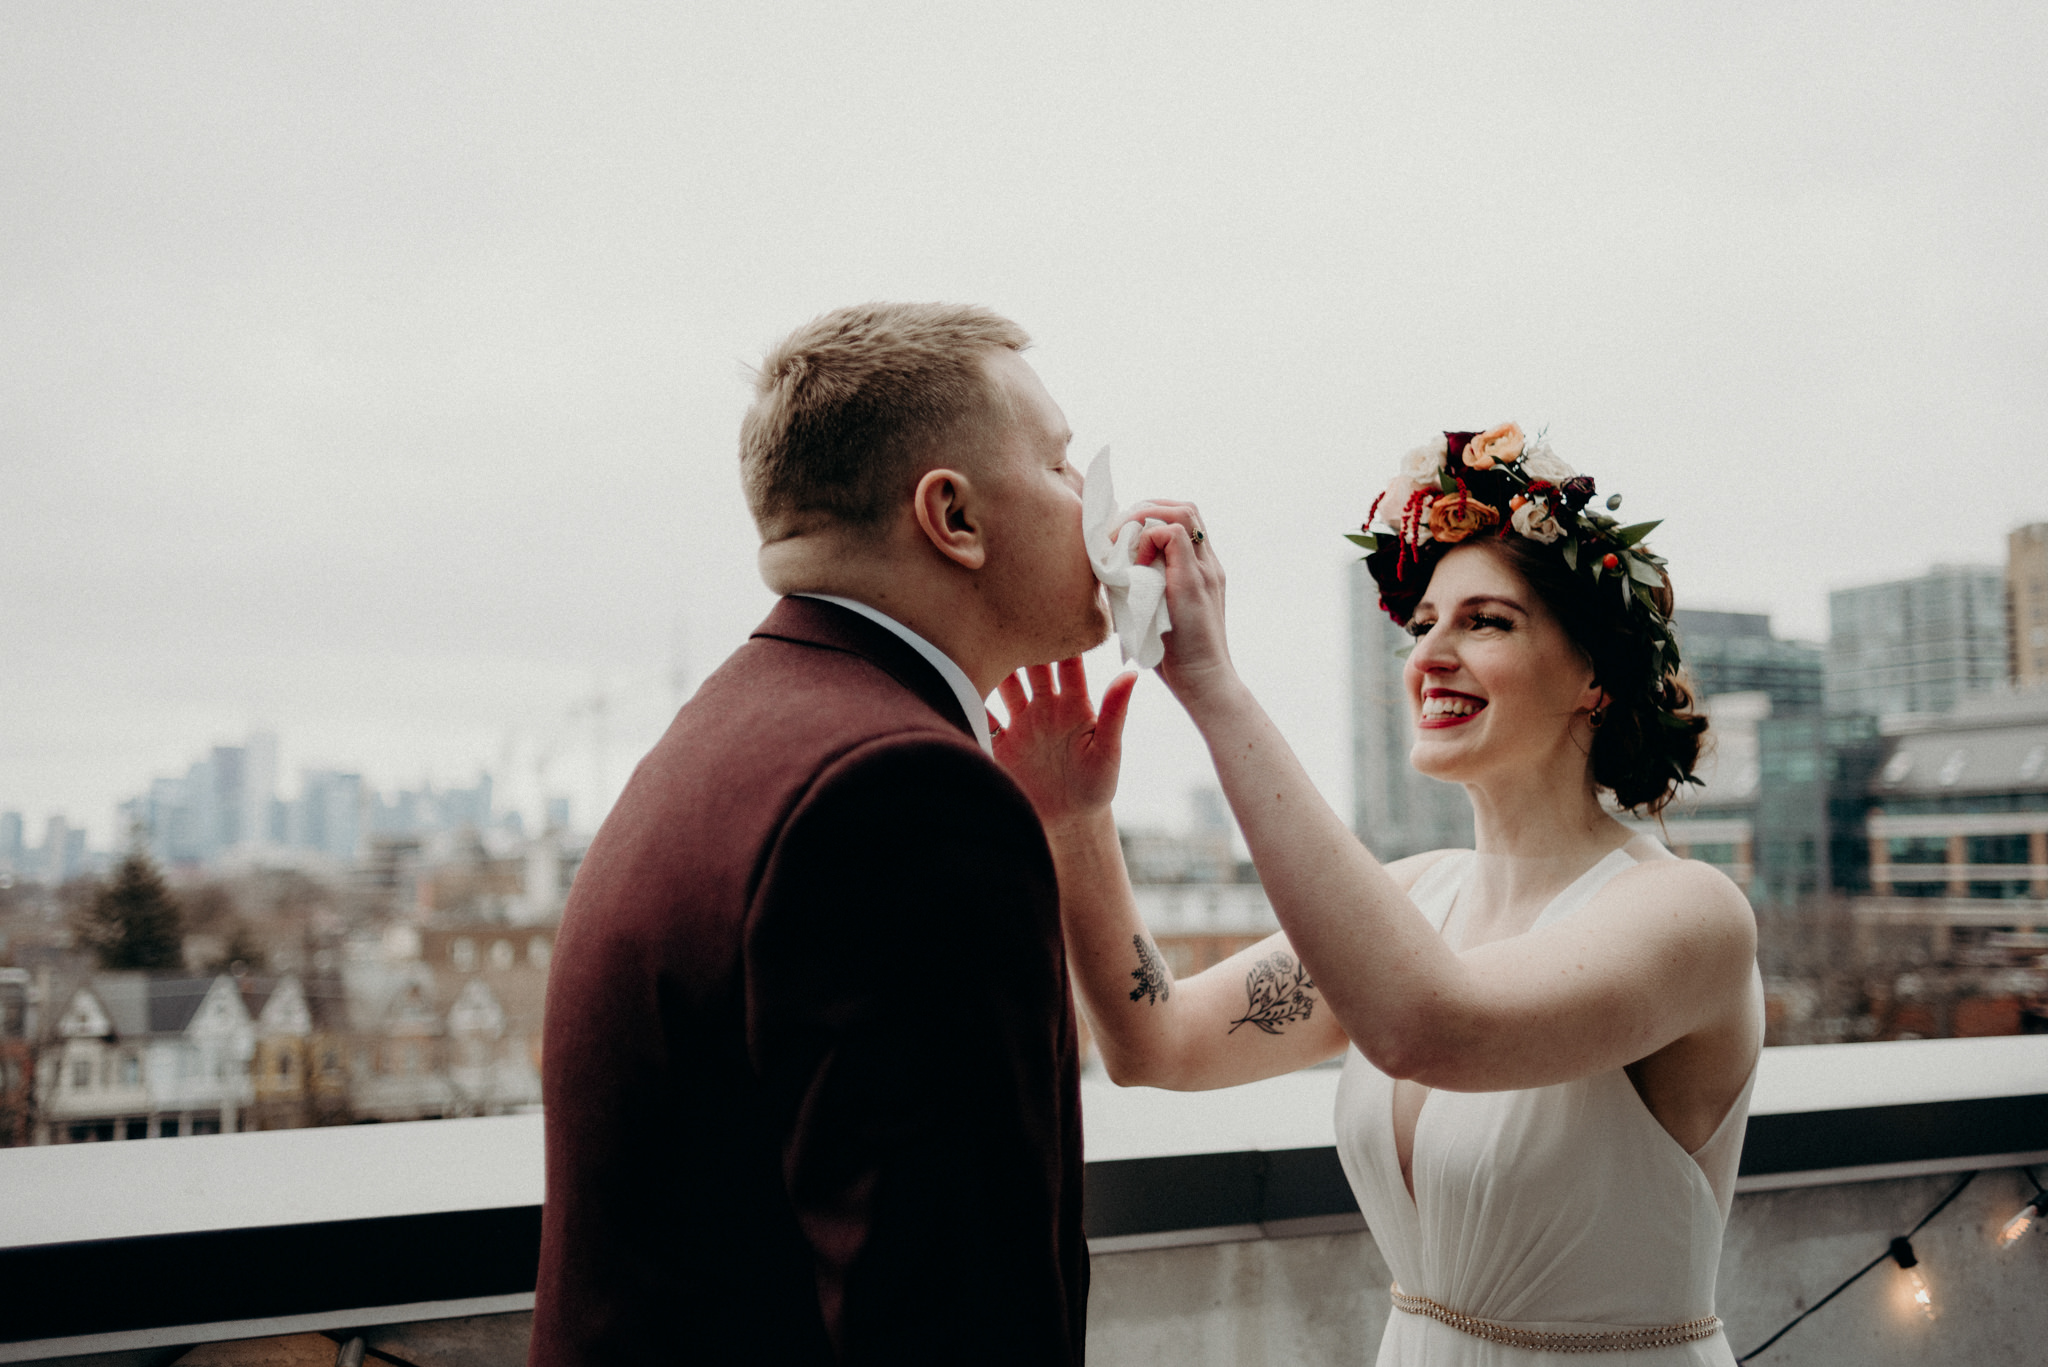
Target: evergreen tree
[(134, 921)]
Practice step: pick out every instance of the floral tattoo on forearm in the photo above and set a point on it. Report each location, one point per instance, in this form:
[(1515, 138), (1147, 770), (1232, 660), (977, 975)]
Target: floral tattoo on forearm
[(1155, 982), (1276, 994)]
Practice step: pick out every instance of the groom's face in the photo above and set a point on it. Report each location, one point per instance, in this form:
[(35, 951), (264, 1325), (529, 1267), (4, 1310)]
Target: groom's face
[(1037, 577)]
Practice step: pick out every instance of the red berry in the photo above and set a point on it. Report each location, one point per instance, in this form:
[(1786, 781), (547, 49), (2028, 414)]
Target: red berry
[(1611, 561)]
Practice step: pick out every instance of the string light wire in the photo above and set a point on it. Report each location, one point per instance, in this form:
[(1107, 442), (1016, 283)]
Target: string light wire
[(1860, 1272)]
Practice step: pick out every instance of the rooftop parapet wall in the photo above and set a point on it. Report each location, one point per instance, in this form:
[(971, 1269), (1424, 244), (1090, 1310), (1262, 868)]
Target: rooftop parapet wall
[(240, 1236)]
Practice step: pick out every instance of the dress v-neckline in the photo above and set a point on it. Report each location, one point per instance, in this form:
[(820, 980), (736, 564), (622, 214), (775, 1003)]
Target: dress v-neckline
[(1469, 862)]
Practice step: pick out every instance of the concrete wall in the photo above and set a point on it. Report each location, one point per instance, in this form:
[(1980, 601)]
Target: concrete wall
[(1322, 1300)]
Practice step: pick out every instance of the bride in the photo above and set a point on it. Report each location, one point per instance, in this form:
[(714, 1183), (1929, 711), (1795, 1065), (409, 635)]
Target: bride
[(1549, 1039)]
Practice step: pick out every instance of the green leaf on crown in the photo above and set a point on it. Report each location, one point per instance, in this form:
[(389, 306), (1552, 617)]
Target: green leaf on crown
[(1365, 539), (1571, 552), (1642, 573), (1637, 531), (1445, 481)]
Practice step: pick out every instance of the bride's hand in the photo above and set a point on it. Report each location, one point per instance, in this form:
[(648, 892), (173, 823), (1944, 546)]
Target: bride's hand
[(1062, 752), (1197, 666)]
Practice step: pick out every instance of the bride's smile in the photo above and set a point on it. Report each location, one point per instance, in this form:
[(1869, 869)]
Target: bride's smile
[(1443, 707)]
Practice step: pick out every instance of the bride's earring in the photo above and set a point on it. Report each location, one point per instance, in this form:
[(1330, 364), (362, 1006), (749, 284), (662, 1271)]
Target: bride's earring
[(1596, 716)]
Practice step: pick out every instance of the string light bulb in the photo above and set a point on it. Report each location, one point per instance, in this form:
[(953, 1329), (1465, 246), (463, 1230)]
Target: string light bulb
[(1916, 1280), (2019, 1224)]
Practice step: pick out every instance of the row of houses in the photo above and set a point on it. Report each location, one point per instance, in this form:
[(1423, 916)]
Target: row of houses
[(413, 1025)]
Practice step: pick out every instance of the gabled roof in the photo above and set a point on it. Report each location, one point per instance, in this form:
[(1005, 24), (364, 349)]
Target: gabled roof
[(173, 1002), (277, 1004), (380, 996), (125, 999), (256, 992), (140, 1004), (476, 1010)]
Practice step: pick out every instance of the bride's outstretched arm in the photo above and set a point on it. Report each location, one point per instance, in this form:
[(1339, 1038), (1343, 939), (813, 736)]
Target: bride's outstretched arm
[(1660, 961), (1254, 1015)]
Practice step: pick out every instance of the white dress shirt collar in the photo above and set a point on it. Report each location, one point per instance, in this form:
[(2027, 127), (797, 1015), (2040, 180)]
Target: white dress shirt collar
[(971, 702)]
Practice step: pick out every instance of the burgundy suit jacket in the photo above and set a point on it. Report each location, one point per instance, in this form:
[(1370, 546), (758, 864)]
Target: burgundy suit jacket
[(810, 1073)]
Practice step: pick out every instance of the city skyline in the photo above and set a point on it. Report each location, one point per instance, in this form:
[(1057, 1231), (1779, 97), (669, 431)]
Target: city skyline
[(1367, 632), (529, 800), (232, 801)]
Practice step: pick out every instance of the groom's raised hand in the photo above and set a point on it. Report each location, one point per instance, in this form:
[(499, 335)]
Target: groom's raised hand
[(1061, 751)]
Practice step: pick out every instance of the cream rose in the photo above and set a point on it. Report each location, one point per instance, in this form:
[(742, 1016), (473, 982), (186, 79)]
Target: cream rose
[(1419, 470), (1534, 520), (1540, 462), (1500, 446), (1420, 465)]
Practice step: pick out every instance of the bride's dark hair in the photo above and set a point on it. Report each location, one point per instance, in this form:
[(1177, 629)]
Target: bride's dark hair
[(1649, 738)]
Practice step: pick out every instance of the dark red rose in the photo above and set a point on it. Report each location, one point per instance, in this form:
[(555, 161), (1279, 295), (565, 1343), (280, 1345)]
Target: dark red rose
[(1578, 491), (1454, 446), (1401, 573)]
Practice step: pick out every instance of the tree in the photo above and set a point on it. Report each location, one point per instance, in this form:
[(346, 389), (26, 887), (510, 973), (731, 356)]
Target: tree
[(134, 921)]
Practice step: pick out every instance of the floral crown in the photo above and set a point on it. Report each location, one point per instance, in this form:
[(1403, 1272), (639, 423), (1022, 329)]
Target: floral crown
[(1497, 483)]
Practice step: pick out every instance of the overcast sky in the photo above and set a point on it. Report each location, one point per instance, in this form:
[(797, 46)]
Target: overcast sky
[(372, 373)]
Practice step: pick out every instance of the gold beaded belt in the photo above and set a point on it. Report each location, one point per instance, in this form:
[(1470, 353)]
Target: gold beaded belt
[(1558, 1341)]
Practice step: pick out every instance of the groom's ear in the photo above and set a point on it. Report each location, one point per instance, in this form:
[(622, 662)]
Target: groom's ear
[(948, 508)]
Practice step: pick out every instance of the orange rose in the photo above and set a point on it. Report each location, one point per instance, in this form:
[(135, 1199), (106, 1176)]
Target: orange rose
[(1501, 446), (1454, 517)]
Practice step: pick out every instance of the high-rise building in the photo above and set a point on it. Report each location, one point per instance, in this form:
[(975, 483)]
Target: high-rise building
[(1916, 645), (2026, 603), (259, 789), (197, 818), (12, 849), (1735, 652), (328, 815), (63, 852), (219, 795), (1395, 811), (160, 821)]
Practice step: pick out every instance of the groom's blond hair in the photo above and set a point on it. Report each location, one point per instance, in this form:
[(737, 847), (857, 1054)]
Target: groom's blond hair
[(850, 409)]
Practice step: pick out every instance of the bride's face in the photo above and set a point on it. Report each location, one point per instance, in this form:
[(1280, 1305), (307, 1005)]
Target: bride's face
[(1494, 683)]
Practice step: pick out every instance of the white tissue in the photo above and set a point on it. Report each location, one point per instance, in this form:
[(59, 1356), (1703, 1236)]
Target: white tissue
[(1137, 593)]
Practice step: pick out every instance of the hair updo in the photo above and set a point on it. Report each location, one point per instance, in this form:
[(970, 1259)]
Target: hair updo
[(1650, 736)]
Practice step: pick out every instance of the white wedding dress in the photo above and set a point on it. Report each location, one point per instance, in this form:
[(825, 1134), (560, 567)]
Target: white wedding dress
[(1566, 1208)]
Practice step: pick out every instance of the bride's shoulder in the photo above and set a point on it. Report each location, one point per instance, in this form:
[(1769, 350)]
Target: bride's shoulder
[(1406, 871), (1662, 878)]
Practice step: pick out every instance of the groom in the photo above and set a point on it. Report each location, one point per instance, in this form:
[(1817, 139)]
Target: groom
[(810, 1063)]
